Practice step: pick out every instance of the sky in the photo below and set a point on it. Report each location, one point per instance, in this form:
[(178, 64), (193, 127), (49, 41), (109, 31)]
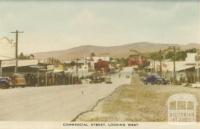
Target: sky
[(51, 25)]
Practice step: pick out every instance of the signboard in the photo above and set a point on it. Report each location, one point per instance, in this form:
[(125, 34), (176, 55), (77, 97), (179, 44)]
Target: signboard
[(50, 67)]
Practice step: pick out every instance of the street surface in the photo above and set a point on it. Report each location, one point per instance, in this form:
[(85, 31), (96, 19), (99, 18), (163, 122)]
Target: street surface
[(54, 103), (138, 103)]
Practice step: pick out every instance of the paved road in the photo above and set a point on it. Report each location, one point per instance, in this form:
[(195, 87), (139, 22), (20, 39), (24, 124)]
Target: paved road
[(55, 103)]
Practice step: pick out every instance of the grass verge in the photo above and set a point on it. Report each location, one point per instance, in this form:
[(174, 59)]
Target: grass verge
[(137, 102)]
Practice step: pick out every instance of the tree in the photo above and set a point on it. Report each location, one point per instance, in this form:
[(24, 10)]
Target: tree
[(31, 56), (73, 63), (53, 61), (155, 56), (192, 50), (180, 55), (24, 57), (92, 54)]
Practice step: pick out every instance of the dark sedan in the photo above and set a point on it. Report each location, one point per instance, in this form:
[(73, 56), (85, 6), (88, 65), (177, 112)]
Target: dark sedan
[(5, 82), (155, 79)]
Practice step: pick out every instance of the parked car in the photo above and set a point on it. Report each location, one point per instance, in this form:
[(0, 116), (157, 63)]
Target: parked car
[(5, 82), (155, 79), (96, 79), (107, 80), (18, 80)]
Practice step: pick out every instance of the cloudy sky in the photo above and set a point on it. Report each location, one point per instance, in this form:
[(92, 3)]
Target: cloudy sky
[(66, 24)]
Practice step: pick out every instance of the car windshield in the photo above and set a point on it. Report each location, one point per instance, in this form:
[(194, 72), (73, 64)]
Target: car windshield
[(3, 78)]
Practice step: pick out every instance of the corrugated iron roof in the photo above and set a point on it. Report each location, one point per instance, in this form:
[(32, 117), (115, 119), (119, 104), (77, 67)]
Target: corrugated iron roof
[(10, 63)]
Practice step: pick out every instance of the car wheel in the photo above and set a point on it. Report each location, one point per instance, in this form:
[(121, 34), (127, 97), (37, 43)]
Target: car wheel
[(5, 86)]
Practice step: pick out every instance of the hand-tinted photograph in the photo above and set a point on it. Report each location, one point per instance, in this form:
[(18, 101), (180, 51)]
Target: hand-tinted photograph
[(100, 61)]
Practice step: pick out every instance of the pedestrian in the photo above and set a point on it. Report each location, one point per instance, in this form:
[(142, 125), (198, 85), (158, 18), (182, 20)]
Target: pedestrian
[(119, 75)]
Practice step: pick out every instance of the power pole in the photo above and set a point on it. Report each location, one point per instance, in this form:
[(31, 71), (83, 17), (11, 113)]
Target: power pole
[(76, 67), (154, 65), (198, 64), (160, 52), (16, 49), (0, 68), (174, 63)]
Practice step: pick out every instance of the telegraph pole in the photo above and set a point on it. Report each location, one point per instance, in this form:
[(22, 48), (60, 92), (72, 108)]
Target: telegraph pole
[(174, 63), (0, 68), (160, 52), (77, 67), (16, 48), (198, 64)]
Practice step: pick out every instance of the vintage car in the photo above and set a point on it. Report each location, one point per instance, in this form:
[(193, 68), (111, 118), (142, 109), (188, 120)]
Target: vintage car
[(155, 79), (5, 82), (107, 80), (18, 80)]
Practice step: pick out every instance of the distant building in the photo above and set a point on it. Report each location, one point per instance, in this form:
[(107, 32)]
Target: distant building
[(102, 66), (96, 59), (24, 66), (191, 58), (80, 67), (136, 61), (93, 60)]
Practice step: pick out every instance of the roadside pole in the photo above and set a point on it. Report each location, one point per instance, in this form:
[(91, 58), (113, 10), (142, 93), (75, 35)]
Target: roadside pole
[(76, 67), (72, 79), (160, 52), (0, 68), (16, 49), (38, 78), (154, 66), (46, 78), (197, 65), (174, 64)]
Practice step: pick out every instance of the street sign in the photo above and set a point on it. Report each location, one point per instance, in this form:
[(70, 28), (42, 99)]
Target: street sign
[(50, 67)]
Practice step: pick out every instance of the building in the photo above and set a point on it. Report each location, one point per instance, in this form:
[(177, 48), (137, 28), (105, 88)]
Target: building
[(191, 58), (102, 66), (21, 63), (24, 66), (93, 60), (137, 61), (78, 67), (185, 70)]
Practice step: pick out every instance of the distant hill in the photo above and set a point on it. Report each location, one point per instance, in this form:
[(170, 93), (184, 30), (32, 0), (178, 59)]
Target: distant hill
[(113, 51)]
